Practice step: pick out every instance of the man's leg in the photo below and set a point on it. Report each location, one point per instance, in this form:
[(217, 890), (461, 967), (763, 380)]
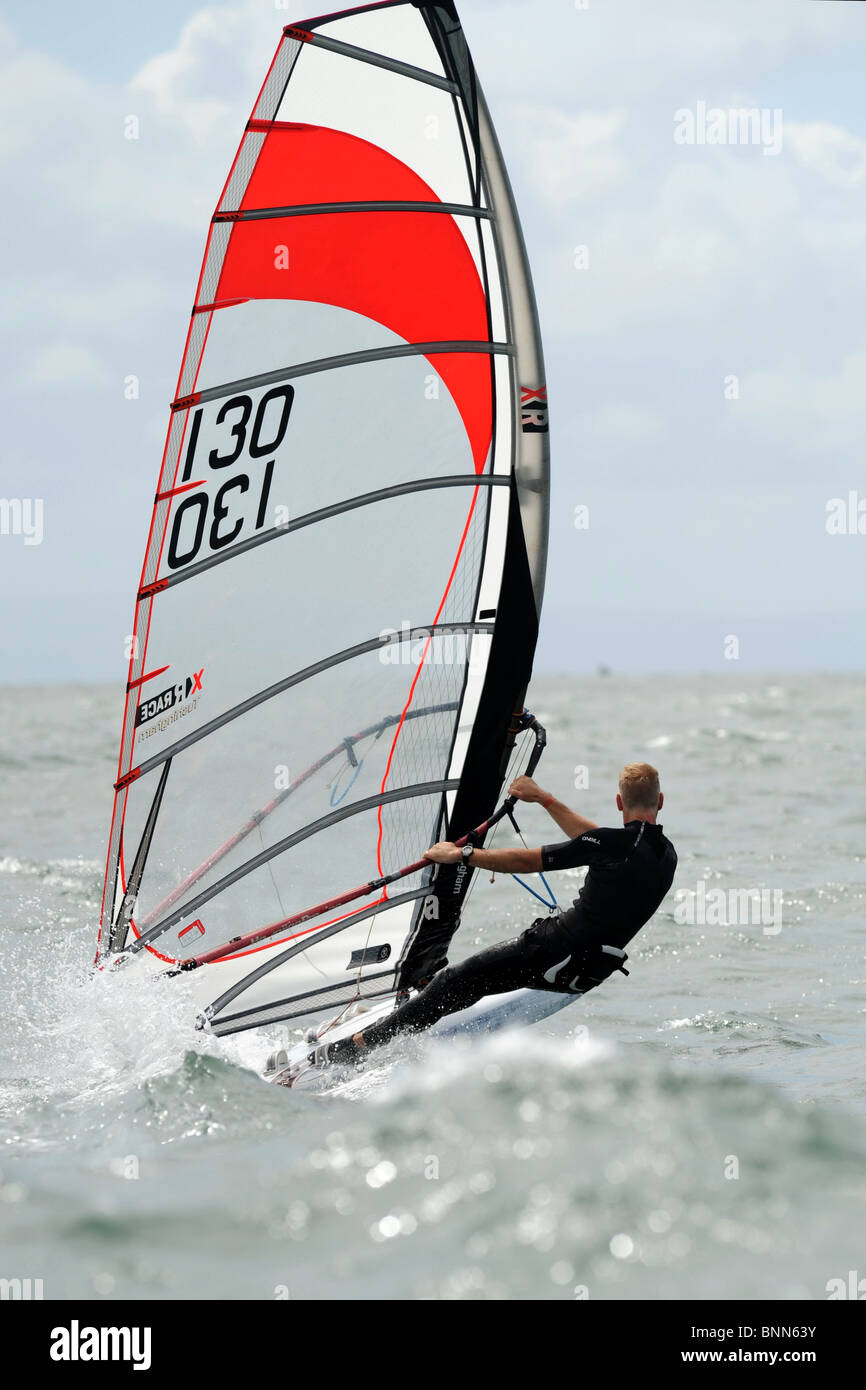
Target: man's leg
[(496, 970)]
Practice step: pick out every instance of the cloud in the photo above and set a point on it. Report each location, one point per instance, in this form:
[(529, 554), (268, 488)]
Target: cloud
[(65, 364), (835, 154), (571, 158), (623, 423), (205, 85), (823, 414), (634, 48), (711, 237), (104, 249), (702, 262), (40, 99), (195, 84)]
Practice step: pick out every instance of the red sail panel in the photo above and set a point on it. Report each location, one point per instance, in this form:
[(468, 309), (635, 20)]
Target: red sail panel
[(411, 271)]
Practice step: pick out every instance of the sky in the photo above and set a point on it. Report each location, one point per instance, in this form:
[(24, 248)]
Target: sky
[(702, 308)]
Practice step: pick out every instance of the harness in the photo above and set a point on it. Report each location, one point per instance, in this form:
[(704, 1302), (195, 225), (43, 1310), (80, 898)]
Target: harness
[(586, 968)]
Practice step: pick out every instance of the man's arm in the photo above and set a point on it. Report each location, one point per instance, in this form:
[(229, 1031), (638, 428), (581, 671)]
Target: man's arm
[(517, 861), (568, 821), (501, 861)]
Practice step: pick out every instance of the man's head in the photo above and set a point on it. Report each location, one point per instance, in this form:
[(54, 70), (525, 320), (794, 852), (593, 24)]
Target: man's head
[(639, 797)]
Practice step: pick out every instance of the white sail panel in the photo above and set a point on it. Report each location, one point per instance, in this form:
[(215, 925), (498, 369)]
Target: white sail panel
[(396, 31), (397, 415), (409, 559), (338, 92), (266, 328), (261, 779), (338, 601)]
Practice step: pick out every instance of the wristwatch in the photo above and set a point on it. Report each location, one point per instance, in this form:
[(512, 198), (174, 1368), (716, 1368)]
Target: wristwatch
[(466, 853)]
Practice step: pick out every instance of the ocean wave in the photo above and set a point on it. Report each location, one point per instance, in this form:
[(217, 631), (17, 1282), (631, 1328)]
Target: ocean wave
[(519, 1167)]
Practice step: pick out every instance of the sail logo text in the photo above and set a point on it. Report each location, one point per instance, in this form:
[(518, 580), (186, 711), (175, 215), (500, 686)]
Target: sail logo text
[(462, 871), (533, 410), (168, 698), (76, 1343), (240, 505)]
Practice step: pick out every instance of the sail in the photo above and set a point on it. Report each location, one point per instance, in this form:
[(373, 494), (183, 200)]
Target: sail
[(339, 599)]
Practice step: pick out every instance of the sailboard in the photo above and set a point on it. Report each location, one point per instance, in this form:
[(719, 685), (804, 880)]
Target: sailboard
[(302, 1069), (338, 606)]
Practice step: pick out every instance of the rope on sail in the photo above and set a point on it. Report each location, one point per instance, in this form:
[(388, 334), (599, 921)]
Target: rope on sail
[(550, 901)]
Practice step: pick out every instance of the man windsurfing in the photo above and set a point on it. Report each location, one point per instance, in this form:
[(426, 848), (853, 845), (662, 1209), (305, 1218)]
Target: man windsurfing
[(630, 869)]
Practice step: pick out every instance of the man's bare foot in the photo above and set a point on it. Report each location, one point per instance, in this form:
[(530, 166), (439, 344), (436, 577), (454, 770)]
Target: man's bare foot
[(358, 1040)]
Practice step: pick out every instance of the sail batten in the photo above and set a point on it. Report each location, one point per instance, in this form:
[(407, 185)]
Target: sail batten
[(362, 381), (366, 499), (347, 359), (370, 803), (276, 962), (380, 205), (378, 60), (374, 644)]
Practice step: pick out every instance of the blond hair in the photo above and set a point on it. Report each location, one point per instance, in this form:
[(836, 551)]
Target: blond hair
[(639, 787)]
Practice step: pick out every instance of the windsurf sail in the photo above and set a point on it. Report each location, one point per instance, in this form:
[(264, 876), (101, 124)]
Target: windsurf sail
[(338, 606)]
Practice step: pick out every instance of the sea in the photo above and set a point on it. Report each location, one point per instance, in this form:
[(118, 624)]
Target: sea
[(695, 1131)]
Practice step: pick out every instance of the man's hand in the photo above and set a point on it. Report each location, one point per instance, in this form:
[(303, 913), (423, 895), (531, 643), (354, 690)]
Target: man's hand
[(526, 790), (444, 853)]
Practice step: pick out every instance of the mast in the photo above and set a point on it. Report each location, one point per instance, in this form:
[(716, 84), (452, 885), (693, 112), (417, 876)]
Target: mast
[(522, 589)]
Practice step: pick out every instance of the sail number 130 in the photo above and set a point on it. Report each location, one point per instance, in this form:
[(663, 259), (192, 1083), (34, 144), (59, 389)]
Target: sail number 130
[(263, 437)]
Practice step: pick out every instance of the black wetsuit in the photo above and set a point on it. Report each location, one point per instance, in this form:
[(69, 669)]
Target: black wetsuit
[(630, 871)]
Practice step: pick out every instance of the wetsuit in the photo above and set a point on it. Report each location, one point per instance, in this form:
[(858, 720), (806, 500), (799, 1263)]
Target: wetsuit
[(630, 871)]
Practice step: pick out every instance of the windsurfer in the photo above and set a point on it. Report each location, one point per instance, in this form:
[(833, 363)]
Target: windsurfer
[(630, 869)]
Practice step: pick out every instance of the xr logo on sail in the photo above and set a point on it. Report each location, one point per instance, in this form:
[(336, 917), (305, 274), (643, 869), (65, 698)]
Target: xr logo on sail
[(170, 697), (533, 410)]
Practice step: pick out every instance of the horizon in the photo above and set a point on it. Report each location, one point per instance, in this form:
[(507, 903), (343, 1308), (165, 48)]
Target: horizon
[(771, 675)]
